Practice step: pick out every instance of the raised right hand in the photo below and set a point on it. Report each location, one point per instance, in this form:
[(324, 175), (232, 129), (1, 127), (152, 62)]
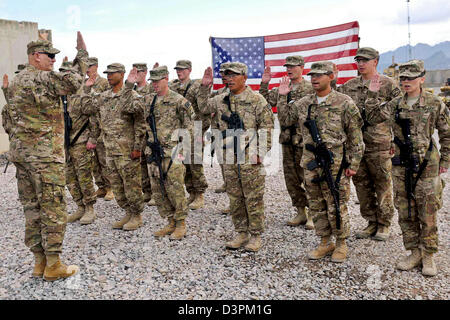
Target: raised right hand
[(90, 82), (266, 75), (5, 81), (208, 78), (284, 88), (133, 76), (80, 41), (156, 65)]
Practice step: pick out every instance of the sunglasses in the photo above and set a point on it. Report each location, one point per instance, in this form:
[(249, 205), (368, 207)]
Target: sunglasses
[(50, 55), (408, 78), (362, 60)]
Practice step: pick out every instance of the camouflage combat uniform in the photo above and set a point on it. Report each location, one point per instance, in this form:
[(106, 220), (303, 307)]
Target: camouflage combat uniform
[(123, 127), (37, 148), (339, 124), (246, 194), (291, 139), (426, 115), (146, 182), (79, 159), (195, 178), (99, 159), (373, 181), (171, 112)]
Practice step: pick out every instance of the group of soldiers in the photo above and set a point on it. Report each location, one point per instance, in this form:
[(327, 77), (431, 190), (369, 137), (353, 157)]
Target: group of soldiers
[(131, 136)]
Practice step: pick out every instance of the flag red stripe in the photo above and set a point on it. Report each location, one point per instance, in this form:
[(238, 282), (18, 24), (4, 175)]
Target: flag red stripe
[(311, 33), (312, 46), (317, 57), (341, 67)]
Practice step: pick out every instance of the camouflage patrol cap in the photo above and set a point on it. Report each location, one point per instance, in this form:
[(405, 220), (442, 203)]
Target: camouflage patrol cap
[(321, 67), (294, 61), (115, 67), (159, 73), (413, 68), (223, 66), (92, 61), (367, 53), (140, 66), (20, 67), (41, 46), (237, 67), (183, 64), (66, 65)]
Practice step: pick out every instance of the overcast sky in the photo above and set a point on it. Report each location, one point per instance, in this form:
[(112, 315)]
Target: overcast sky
[(169, 30)]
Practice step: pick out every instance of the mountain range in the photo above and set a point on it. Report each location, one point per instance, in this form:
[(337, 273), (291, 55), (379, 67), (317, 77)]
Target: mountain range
[(435, 57)]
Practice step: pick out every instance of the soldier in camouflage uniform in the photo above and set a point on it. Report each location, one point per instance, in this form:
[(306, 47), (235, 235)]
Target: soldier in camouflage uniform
[(445, 93), (244, 182), (339, 124), (123, 126), (171, 112), (79, 154), (373, 181), (425, 113), (99, 159), (144, 88), (290, 137), (196, 184), (37, 151)]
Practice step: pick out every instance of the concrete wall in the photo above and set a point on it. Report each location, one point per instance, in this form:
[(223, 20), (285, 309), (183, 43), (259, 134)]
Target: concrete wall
[(14, 37), (436, 78)]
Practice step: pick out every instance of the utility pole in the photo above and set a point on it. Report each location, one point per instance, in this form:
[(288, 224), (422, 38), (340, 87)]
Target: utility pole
[(409, 33)]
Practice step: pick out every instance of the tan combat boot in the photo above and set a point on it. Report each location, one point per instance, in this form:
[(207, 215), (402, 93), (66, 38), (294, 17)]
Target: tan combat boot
[(340, 253), (121, 223), (198, 203), (134, 223), (109, 195), (101, 193), (299, 219), (89, 215), (325, 248), (254, 244), (221, 189), (180, 230), (411, 261), (167, 229), (55, 270), (382, 233), (368, 231), (147, 197), (309, 222), (428, 265), (151, 203), (40, 261), (77, 215), (241, 239), (191, 198)]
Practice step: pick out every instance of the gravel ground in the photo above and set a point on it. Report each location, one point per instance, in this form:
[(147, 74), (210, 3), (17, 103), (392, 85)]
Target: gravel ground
[(134, 265)]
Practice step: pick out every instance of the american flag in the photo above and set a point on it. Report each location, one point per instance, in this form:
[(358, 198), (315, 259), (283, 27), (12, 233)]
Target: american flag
[(337, 44)]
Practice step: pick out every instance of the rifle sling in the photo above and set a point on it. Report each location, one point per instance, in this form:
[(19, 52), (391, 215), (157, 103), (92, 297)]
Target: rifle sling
[(83, 128)]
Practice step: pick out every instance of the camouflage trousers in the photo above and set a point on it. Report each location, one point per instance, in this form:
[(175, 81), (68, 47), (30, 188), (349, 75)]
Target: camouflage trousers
[(321, 204), (42, 195), (146, 184), (126, 182), (99, 160), (195, 179), (419, 231), (373, 184), (173, 204), (246, 197), (294, 175), (79, 178)]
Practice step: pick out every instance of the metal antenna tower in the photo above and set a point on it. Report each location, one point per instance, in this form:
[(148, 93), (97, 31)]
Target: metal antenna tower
[(409, 33)]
